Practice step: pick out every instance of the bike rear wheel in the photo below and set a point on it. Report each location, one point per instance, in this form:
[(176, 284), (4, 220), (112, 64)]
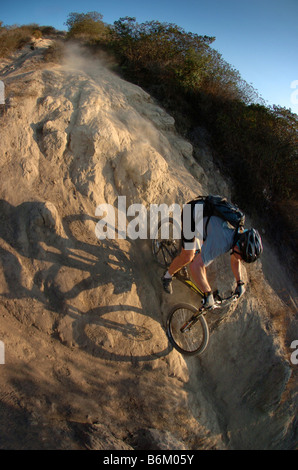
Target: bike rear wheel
[(188, 333), (167, 241)]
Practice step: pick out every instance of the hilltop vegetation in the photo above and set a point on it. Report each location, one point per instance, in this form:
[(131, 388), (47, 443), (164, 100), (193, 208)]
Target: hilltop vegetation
[(254, 144), (13, 38)]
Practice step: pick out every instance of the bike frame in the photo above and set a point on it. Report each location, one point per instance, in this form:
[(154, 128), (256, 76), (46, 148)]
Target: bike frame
[(191, 285)]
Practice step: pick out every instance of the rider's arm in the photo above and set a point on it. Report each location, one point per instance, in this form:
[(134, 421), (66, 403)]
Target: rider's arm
[(236, 267)]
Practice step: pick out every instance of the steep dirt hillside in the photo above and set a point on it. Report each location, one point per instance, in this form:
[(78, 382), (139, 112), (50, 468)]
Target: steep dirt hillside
[(87, 361)]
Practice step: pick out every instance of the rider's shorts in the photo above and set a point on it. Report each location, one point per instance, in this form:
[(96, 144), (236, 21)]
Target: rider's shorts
[(217, 240)]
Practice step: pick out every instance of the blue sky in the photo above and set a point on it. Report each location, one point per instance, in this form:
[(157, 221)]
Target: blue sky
[(258, 37)]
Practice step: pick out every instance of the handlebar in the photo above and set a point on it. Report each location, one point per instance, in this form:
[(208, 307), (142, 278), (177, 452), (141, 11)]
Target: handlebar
[(220, 299)]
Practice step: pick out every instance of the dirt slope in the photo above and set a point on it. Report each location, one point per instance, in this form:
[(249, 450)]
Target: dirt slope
[(87, 361)]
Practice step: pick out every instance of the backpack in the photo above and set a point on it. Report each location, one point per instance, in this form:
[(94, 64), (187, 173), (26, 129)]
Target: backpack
[(220, 207)]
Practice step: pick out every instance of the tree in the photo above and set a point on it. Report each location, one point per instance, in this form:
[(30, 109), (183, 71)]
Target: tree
[(86, 25), (162, 50)]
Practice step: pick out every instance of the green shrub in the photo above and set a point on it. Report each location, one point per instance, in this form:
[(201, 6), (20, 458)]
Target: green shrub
[(48, 30), (88, 26)]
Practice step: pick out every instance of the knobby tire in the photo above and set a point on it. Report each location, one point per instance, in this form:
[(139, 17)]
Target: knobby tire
[(190, 343)]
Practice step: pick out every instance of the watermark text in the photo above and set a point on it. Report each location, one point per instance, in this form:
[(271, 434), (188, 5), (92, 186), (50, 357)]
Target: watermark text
[(2, 93), (294, 355), (2, 353), (139, 222)]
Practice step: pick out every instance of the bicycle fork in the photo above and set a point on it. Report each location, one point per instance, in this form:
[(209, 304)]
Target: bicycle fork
[(191, 322)]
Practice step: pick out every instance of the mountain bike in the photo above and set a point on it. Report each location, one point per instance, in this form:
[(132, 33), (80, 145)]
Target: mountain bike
[(187, 328)]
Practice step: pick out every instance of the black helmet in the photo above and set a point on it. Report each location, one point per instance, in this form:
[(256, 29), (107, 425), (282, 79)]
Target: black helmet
[(250, 244)]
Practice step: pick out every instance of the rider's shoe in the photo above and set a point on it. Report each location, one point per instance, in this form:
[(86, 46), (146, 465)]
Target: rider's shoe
[(167, 284), (208, 300)]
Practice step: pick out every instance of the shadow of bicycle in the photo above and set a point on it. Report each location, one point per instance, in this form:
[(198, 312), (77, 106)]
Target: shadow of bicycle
[(119, 333), (68, 272)]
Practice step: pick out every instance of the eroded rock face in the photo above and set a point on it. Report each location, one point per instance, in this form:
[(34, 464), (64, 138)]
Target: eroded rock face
[(84, 320)]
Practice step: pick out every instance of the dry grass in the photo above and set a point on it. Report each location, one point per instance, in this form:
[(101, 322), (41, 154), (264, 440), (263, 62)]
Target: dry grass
[(14, 38)]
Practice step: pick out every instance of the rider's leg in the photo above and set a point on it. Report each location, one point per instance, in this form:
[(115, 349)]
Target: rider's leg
[(187, 253), (198, 271), (184, 258)]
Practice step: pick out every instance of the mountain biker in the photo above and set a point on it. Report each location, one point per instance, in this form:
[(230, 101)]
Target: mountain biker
[(221, 237)]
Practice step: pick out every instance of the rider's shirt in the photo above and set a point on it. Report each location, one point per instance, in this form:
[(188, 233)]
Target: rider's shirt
[(219, 240)]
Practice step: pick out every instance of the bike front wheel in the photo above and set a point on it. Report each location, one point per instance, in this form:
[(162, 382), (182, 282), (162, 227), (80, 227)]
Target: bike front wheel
[(187, 331)]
